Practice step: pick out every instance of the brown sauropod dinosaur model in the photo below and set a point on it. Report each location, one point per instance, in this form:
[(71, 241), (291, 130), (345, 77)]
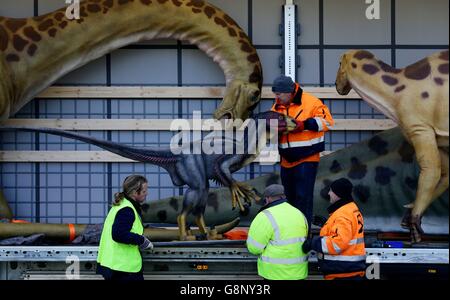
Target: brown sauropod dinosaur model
[(417, 99), (35, 52)]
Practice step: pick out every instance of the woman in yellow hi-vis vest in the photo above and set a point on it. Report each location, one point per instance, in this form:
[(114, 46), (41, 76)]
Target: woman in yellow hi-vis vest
[(122, 237)]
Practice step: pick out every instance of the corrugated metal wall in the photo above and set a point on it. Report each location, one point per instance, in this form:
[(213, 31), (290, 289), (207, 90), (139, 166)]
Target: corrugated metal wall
[(80, 192)]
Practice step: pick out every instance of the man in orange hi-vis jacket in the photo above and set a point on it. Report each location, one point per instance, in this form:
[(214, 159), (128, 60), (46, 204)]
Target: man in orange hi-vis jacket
[(300, 148), (340, 248)]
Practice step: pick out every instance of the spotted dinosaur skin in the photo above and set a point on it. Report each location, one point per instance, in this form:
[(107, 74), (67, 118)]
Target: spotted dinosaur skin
[(417, 99), (35, 52)]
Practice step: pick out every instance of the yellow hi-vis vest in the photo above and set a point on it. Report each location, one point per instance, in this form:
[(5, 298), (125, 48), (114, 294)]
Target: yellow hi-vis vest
[(277, 235), (119, 256)]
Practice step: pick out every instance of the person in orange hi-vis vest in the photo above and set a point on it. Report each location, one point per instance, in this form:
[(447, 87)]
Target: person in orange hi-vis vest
[(340, 248), (300, 148)]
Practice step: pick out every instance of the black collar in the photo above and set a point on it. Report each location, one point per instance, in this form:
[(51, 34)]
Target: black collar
[(271, 204), (136, 206), (338, 204), (298, 96)]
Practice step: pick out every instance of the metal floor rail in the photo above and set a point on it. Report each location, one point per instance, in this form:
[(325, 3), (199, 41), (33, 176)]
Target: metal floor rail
[(89, 253), (232, 262)]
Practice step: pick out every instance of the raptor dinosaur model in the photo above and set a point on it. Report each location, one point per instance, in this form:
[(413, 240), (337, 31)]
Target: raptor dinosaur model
[(383, 170), (35, 52), (195, 169), (417, 99)]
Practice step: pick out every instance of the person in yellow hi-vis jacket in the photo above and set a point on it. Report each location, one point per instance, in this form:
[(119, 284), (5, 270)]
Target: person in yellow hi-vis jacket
[(122, 237), (276, 235)]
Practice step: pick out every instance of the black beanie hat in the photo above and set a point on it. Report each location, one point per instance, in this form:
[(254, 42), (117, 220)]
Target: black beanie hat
[(283, 84), (342, 187)]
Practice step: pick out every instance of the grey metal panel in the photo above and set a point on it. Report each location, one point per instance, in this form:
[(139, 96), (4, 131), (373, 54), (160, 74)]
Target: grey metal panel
[(200, 69), (83, 180), (92, 73), (68, 209), (148, 66), (9, 180), (406, 57), (308, 17), (23, 211), (69, 194), (83, 209), (46, 6), (53, 209), (83, 194), (309, 71), (236, 9), (345, 22), (270, 63), (266, 19), (331, 61), (17, 9), (53, 180), (97, 209), (422, 22)]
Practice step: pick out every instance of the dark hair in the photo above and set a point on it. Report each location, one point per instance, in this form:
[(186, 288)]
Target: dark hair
[(131, 184)]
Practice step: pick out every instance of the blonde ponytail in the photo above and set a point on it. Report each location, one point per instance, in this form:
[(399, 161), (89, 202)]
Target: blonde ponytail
[(131, 184)]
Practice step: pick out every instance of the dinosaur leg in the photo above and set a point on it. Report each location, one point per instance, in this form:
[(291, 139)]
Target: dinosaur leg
[(200, 221), (181, 219), (239, 191), (199, 211), (428, 158), (441, 187)]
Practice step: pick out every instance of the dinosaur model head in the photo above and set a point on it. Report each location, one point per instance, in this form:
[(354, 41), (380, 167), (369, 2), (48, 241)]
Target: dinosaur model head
[(343, 86), (283, 123), (239, 100)]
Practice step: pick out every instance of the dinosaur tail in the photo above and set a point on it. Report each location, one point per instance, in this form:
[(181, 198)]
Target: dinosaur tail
[(156, 156)]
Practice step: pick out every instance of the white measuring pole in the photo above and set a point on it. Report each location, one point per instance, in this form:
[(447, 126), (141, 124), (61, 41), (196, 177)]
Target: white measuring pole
[(290, 41)]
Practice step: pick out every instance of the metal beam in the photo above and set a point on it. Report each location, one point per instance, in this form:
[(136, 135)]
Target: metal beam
[(212, 254)]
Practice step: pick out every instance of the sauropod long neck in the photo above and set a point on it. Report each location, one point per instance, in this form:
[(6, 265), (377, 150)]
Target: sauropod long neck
[(40, 50)]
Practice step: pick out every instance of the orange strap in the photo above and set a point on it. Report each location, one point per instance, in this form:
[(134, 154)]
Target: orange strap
[(236, 235), (71, 232), (19, 221), (344, 275)]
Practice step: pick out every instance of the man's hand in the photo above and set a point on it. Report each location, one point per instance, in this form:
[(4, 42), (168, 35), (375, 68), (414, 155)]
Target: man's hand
[(314, 243), (299, 126), (146, 244), (319, 220)]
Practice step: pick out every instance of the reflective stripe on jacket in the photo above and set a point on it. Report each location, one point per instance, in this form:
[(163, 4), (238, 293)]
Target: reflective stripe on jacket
[(342, 248), (298, 147), (119, 256), (277, 235)]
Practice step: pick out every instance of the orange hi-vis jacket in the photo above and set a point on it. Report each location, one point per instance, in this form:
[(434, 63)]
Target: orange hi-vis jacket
[(342, 251), (298, 147)]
